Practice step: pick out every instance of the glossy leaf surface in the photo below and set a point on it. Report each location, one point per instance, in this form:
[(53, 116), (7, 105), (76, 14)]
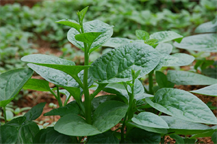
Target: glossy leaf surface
[(202, 42), (189, 78), (164, 48), (106, 116), (116, 42), (165, 36), (37, 84), (116, 65), (182, 104), (162, 80), (35, 112), (11, 83), (209, 90), (71, 107), (92, 26), (88, 37), (149, 120), (180, 126), (142, 35)]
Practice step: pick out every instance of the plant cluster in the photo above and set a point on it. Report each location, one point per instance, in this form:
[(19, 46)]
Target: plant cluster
[(179, 16), (145, 115)]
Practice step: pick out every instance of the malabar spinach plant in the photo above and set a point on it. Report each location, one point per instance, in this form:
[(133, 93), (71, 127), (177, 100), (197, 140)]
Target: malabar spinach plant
[(139, 115)]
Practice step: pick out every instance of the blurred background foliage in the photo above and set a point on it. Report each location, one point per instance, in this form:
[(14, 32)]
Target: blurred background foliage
[(23, 27)]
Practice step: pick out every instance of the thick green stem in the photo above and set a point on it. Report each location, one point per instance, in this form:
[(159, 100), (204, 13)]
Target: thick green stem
[(150, 79), (99, 88), (5, 115), (122, 129)]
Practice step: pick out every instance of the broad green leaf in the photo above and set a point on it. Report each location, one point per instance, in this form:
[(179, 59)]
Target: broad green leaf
[(70, 23), (142, 35), (16, 131), (210, 72), (116, 65), (164, 48), (162, 81), (50, 136), (37, 84), (11, 83), (116, 42), (179, 126), (150, 129), (106, 116), (54, 76), (106, 138), (209, 90), (35, 112), (88, 37), (101, 99), (202, 42), (165, 36), (203, 134), (149, 120), (82, 13), (71, 107), (179, 140), (182, 104), (137, 135), (214, 137), (46, 59), (92, 26), (207, 27), (9, 115), (189, 78), (75, 92), (178, 59)]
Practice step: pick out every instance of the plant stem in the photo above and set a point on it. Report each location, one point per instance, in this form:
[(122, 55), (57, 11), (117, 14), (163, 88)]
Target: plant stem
[(122, 129), (59, 98), (150, 79), (5, 115), (99, 88), (162, 139)]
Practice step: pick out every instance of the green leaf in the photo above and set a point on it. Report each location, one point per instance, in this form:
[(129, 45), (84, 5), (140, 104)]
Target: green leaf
[(179, 140), (137, 135), (142, 35), (70, 23), (75, 92), (189, 78), (164, 48), (107, 137), (116, 42), (182, 104), (214, 137), (71, 107), (106, 116), (162, 81), (165, 36), (203, 134), (46, 59), (88, 37), (210, 72), (178, 59), (54, 76), (149, 120), (82, 13), (37, 84), (150, 129), (116, 65), (101, 99), (209, 90), (179, 126), (202, 42), (50, 136), (16, 131), (11, 83), (207, 27), (92, 26), (35, 112)]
